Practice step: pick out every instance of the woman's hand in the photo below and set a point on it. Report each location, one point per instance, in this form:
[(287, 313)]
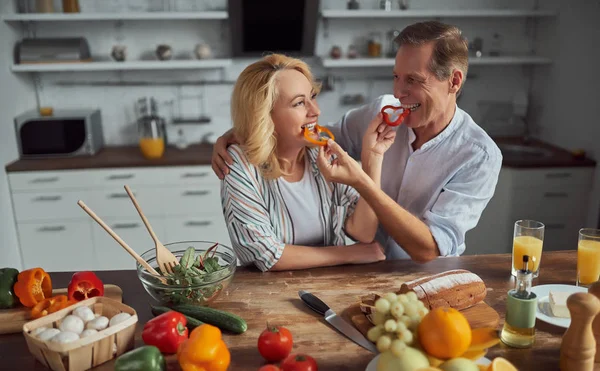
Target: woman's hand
[(342, 169), (220, 156), (378, 138)]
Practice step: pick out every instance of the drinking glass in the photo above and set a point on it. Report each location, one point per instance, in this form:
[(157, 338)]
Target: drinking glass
[(528, 239), (588, 256)]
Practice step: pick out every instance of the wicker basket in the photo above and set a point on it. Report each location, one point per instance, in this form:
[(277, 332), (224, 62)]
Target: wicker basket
[(90, 351)]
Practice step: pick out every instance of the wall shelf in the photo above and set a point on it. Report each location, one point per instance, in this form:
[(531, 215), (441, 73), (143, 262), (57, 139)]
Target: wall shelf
[(426, 13), (389, 62), (145, 16), (123, 66)]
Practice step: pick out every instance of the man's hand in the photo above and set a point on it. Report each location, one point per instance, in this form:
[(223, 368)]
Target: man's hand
[(378, 138), (220, 157), (343, 169)]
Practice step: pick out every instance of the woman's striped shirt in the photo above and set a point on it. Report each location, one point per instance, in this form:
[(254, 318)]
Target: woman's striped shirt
[(257, 217)]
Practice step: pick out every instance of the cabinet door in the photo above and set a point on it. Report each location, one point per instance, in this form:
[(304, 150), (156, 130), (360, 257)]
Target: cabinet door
[(201, 227), (57, 246), (49, 205), (49, 180), (190, 200), (110, 255), (117, 204)]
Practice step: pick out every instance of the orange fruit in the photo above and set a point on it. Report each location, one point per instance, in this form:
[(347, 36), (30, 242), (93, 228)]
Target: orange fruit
[(429, 369), (483, 338), (501, 364), (444, 333)]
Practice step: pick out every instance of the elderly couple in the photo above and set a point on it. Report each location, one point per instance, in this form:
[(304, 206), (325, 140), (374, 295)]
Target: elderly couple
[(419, 187)]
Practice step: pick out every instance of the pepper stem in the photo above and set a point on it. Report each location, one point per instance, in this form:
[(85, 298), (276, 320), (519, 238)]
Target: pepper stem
[(180, 328)]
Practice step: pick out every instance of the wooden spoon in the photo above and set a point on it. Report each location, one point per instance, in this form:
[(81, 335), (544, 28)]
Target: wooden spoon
[(165, 258), (117, 238)]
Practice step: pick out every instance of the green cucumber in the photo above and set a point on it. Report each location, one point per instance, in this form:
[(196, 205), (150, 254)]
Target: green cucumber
[(192, 323), (221, 319)]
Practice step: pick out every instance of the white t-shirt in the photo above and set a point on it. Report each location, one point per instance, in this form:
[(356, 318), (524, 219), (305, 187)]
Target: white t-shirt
[(303, 204)]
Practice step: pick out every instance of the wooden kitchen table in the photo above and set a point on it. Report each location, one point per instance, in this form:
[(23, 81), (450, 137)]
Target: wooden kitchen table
[(261, 297)]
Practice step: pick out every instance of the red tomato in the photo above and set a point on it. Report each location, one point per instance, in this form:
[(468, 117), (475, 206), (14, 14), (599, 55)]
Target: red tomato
[(275, 343), (299, 362), (269, 368)]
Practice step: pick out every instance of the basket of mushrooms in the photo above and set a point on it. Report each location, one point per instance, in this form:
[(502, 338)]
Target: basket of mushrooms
[(83, 335)]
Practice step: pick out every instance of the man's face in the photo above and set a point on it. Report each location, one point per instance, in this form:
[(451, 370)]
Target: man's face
[(414, 84)]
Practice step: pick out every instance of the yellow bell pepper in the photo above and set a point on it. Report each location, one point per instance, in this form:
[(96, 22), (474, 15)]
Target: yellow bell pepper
[(205, 350)]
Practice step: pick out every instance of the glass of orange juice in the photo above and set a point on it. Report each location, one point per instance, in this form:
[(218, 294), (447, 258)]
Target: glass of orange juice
[(588, 256), (528, 239)]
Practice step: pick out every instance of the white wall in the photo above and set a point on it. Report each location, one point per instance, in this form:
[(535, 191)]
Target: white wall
[(17, 95), (566, 95)]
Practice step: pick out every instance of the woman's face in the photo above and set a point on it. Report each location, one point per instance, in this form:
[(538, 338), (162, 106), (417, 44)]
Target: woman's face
[(295, 108)]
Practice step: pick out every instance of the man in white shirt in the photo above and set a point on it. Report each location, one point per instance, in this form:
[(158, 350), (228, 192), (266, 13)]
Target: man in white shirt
[(442, 169)]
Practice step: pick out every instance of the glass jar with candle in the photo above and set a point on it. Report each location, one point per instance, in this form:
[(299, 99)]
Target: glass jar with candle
[(374, 49)]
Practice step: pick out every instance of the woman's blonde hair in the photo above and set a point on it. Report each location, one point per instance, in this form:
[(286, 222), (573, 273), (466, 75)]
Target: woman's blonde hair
[(252, 101)]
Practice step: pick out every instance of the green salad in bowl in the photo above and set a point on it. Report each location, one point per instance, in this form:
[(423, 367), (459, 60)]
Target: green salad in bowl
[(205, 269)]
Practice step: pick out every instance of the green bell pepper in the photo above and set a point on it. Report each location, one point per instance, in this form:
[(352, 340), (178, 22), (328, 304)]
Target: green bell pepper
[(8, 278), (145, 358)]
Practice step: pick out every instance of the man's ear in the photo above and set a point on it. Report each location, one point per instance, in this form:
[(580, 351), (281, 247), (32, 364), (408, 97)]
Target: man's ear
[(456, 81)]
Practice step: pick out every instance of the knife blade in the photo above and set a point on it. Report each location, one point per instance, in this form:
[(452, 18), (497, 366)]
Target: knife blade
[(336, 321)]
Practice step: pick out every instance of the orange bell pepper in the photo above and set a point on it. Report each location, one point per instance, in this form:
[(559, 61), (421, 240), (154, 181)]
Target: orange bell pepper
[(32, 286), (50, 305), (205, 350)]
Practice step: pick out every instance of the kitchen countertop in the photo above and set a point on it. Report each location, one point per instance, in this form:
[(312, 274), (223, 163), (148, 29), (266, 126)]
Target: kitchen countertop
[(273, 296), (200, 154), (118, 156)]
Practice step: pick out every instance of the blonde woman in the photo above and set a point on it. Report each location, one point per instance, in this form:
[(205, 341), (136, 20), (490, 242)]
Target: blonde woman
[(280, 211)]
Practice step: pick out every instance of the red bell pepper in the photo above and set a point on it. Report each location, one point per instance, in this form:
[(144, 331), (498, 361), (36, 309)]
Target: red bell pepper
[(399, 119), (85, 285), (166, 332)]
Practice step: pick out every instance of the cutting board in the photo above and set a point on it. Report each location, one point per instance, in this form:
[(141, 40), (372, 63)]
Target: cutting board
[(12, 320), (479, 315)]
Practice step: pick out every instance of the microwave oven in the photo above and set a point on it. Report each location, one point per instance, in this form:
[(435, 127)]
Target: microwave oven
[(65, 133)]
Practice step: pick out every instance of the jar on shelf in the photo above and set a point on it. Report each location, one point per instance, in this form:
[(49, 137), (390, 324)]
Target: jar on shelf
[(374, 47), (496, 45), (392, 47)]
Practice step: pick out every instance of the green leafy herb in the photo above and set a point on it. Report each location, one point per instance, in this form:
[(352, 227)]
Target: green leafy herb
[(193, 270)]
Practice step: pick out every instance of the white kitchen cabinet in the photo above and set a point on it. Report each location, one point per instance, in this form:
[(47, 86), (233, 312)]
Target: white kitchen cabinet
[(557, 197), (110, 255), (181, 203), (57, 245)]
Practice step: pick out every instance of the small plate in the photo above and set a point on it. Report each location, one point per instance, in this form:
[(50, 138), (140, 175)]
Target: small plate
[(372, 366), (544, 312)]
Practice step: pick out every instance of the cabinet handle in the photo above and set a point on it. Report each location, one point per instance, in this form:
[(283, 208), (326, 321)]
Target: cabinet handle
[(57, 228), (125, 225), (195, 193), (194, 175), (203, 223), (48, 198), (556, 194), (120, 176), (558, 175), (555, 226), (45, 180), (119, 195)]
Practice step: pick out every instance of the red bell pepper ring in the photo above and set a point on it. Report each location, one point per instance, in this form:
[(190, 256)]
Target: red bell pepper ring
[(387, 118), (84, 285), (309, 135), (166, 332)]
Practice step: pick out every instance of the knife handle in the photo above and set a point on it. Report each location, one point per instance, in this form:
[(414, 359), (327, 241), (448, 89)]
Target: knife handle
[(313, 302)]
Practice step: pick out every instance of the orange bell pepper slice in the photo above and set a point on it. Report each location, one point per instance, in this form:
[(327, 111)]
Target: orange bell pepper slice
[(33, 285), (50, 305), (309, 135)]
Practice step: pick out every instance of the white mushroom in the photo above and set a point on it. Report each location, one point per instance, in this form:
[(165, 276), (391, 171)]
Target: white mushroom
[(38, 331), (98, 324), (118, 318), (72, 323), (88, 332), (85, 313), (48, 334), (65, 337)]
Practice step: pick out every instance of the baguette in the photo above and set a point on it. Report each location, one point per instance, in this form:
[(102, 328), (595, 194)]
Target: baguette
[(458, 289)]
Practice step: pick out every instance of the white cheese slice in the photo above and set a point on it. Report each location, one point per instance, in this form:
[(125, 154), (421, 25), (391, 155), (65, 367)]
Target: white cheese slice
[(558, 304)]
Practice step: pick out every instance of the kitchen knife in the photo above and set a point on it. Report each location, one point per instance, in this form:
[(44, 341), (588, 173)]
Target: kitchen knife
[(336, 321)]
